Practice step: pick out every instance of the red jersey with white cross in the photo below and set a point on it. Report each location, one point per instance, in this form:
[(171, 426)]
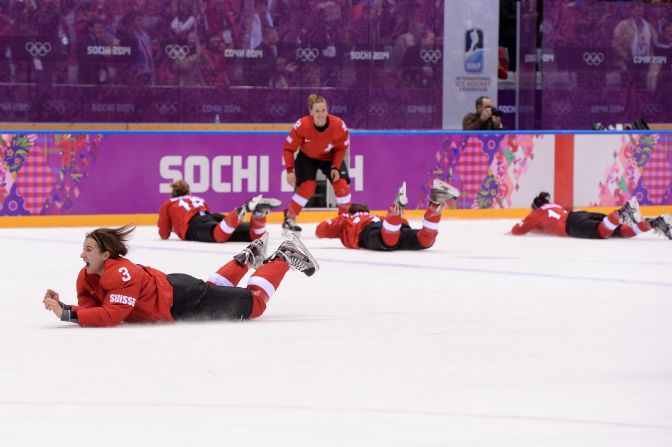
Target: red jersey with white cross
[(328, 145), (124, 292), (176, 213), (346, 227), (547, 219)]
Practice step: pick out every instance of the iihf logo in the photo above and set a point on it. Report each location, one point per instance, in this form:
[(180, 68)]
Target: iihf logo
[(473, 51)]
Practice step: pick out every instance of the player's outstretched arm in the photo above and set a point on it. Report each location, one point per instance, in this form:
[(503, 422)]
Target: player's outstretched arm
[(52, 303)]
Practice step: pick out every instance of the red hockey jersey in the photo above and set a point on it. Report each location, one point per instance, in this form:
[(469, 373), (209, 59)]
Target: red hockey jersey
[(346, 227), (124, 292), (548, 219), (329, 145), (176, 213)]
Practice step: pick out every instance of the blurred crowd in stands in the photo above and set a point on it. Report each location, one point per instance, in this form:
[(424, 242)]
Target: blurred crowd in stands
[(267, 43)]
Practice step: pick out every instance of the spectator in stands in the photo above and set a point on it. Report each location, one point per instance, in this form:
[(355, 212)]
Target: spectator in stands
[(402, 43), (263, 69), (96, 10), (214, 71), (46, 23), (93, 67), (632, 42), (189, 69), (201, 14), (184, 21), (485, 118), (593, 27), (283, 74), (382, 28), (261, 18), (311, 77), (507, 29), (660, 71), (131, 28), (324, 27), (420, 63), (224, 19), (6, 23)]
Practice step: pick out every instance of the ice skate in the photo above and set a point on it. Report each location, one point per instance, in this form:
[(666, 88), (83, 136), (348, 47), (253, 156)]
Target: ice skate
[(629, 213), (662, 225), (261, 204), (254, 254), (257, 204), (248, 206), (402, 198), (289, 226), (296, 255), (442, 191)]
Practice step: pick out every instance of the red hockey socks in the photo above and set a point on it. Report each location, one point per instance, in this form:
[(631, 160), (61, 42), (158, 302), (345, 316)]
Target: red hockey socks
[(634, 230), (226, 227), (390, 232), (257, 225), (430, 225), (301, 196), (264, 283), (229, 275), (343, 198), (608, 225)]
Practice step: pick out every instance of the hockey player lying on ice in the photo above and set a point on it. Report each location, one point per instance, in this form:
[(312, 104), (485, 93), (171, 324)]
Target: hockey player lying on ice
[(359, 229), (190, 218), (112, 289), (551, 218)]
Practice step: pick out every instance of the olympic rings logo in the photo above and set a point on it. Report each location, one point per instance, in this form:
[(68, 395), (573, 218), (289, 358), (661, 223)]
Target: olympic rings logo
[(561, 108), (651, 109), (177, 51), (277, 109), (166, 108), (432, 56), (59, 107), (307, 54), (593, 59), (36, 49), (377, 108)]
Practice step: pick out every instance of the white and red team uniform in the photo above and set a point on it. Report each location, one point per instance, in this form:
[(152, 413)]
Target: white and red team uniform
[(550, 218), (128, 292), (124, 292), (319, 149), (346, 227), (553, 219), (178, 213), (364, 230)]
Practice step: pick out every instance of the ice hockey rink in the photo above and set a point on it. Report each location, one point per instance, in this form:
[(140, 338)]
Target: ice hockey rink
[(486, 339)]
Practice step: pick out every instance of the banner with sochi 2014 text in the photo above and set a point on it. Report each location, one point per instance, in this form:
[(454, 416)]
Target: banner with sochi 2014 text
[(470, 46), (130, 173)]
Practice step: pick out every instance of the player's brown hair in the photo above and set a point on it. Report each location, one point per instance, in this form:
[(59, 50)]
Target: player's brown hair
[(358, 208), (112, 240), (314, 99), (180, 188), (542, 199)]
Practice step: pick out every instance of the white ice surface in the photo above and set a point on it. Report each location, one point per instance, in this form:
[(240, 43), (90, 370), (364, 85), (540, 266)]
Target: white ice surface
[(486, 339)]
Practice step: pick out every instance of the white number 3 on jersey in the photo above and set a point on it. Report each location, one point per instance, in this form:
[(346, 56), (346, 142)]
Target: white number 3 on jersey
[(125, 276)]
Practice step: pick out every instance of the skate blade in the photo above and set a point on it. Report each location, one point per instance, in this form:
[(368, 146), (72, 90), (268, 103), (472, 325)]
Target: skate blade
[(287, 233), (295, 239)]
